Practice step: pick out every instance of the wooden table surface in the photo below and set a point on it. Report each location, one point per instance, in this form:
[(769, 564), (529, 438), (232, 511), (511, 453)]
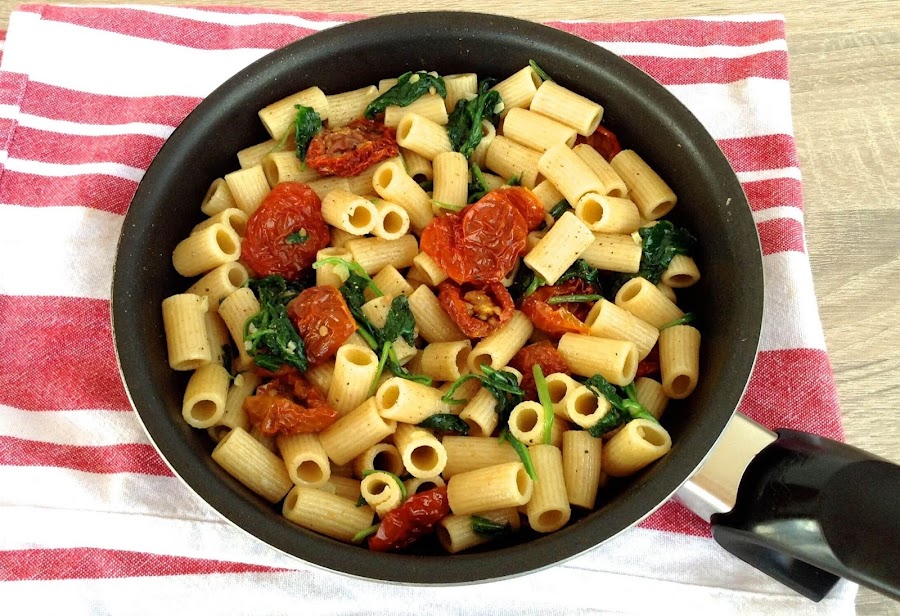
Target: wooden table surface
[(845, 82)]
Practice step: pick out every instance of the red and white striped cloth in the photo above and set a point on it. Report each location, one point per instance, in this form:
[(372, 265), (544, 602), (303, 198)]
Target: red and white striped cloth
[(94, 522)]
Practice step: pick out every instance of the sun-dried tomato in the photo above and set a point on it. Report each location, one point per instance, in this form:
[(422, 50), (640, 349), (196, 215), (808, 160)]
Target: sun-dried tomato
[(323, 320), (289, 405), (285, 232), (413, 519), (649, 366), (483, 243), (604, 141), (478, 309), (351, 149), (524, 201), (543, 353), (558, 319)]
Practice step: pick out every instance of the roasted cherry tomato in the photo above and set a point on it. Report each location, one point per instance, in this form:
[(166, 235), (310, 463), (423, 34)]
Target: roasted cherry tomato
[(285, 232), (543, 353), (604, 141), (416, 517), (558, 319), (289, 405), (649, 366), (352, 149), (524, 201), (323, 320), (478, 309), (482, 243)]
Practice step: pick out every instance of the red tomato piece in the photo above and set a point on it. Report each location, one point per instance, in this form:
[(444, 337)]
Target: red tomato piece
[(352, 149), (275, 241), (649, 366), (544, 354), (604, 141), (478, 309), (413, 519), (482, 244), (558, 319), (289, 405), (524, 201), (323, 320)]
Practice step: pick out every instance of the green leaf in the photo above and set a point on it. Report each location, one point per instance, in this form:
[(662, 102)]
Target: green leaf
[(478, 187), (408, 89), (573, 299), (364, 533), (464, 125), (515, 180), (446, 422), (488, 528), (447, 206), (661, 242), (543, 392), (385, 354), (307, 125), (297, 237), (537, 69), (687, 318), (400, 322), (556, 212), (581, 269), (448, 398), (522, 450), (427, 185), (269, 335), (623, 410), (399, 481)]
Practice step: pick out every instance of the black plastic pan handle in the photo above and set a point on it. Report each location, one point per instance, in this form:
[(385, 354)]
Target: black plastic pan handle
[(809, 510)]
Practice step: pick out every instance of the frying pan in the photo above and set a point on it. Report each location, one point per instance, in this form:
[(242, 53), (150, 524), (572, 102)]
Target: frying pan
[(805, 510)]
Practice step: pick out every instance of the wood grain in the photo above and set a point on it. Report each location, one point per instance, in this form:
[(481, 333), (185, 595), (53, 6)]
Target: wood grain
[(845, 83)]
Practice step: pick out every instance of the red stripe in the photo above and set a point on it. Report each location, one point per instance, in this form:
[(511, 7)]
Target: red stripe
[(125, 458), (12, 87), (760, 153), (686, 32), (310, 15), (687, 71), (781, 235), (96, 563), (777, 192), (674, 518), (52, 147), (178, 30), (58, 354), (101, 192), (64, 104), (794, 388)]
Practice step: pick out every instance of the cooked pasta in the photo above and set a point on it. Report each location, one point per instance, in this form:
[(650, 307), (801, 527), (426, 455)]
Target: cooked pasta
[(378, 313)]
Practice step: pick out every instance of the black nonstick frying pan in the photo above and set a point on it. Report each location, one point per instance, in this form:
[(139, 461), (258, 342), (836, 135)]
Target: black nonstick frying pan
[(804, 509)]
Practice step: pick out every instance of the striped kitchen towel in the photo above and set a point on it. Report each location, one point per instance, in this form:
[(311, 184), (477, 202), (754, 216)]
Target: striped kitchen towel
[(93, 520)]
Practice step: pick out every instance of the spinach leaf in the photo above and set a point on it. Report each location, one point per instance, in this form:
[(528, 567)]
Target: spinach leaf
[(478, 187), (364, 533), (515, 180), (399, 481), (446, 422), (573, 299), (269, 335), (503, 386), (400, 322), (464, 125), (541, 72), (581, 269), (543, 392), (623, 410), (521, 449), (306, 126), (427, 185), (687, 318), (489, 528), (408, 89), (661, 242), (556, 212)]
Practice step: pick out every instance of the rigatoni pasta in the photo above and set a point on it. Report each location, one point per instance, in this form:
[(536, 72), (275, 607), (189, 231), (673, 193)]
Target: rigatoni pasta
[(406, 325)]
